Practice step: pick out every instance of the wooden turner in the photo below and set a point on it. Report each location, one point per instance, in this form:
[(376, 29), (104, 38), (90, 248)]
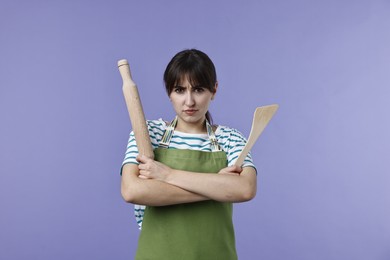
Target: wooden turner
[(261, 118)]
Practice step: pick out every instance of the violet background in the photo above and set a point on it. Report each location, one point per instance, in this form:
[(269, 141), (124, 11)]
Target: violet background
[(323, 161)]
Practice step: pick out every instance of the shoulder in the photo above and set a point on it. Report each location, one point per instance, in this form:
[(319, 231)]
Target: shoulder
[(156, 130), (156, 125), (226, 132), (159, 123)]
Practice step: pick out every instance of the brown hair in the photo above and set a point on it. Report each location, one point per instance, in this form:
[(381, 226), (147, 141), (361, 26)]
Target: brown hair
[(196, 66)]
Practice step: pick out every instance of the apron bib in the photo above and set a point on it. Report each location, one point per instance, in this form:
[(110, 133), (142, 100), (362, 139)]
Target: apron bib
[(191, 231)]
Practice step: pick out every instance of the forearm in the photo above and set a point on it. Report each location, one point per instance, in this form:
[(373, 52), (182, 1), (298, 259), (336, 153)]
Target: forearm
[(151, 192), (220, 187)]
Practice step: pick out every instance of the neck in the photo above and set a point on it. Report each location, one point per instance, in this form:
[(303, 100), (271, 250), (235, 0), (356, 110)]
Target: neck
[(191, 128)]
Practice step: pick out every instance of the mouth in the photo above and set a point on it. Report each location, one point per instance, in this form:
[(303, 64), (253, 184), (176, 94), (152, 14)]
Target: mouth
[(190, 111)]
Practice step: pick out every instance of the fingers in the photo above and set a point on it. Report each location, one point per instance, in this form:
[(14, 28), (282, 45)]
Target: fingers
[(144, 172), (143, 166), (232, 170), (146, 167), (229, 173), (236, 168), (142, 158)]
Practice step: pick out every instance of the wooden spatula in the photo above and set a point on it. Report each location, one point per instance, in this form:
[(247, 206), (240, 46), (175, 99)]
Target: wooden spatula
[(261, 118)]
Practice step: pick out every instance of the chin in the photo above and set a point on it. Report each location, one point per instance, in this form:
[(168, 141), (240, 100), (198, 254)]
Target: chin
[(192, 119)]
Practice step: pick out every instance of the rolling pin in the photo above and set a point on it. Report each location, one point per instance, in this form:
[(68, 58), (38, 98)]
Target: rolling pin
[(136, 113)]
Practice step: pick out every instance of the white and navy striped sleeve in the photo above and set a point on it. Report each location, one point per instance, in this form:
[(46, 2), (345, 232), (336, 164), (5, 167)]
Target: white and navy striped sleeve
[(156, 129), (233, 142)]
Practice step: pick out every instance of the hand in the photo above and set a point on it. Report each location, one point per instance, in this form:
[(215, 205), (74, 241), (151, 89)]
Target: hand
[(231, 170), (151, 169)]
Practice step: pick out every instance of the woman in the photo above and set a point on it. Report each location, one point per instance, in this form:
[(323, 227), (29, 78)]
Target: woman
[(189, 187)]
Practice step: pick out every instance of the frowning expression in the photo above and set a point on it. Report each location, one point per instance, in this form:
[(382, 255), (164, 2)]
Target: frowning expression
[(190, 102)]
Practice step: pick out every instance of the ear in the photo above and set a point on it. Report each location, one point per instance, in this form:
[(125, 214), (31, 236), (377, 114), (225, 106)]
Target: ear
[(215, 90)]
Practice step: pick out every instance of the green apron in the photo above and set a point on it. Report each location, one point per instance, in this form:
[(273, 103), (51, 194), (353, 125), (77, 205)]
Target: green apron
[(192, 231)]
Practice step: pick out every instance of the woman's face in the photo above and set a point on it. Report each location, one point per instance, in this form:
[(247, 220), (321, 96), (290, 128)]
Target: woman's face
[(191, 104)]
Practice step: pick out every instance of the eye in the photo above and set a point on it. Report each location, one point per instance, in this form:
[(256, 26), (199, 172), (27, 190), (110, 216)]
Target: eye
[(198, 90), (179, 90)]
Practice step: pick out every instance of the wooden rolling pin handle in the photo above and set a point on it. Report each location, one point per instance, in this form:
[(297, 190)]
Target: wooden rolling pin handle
[(136, 113)]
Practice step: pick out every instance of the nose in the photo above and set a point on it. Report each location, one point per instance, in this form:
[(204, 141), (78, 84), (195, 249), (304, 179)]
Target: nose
[(190, 101)]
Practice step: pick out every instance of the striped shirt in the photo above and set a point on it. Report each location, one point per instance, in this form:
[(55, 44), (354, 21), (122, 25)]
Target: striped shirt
[(230, 140)]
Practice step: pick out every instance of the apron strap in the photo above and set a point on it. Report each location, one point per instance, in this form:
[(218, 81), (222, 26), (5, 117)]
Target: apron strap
[(168, 133), (167, 136)]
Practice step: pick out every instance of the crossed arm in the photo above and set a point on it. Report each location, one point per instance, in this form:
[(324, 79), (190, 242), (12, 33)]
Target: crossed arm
[(152, 183)]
